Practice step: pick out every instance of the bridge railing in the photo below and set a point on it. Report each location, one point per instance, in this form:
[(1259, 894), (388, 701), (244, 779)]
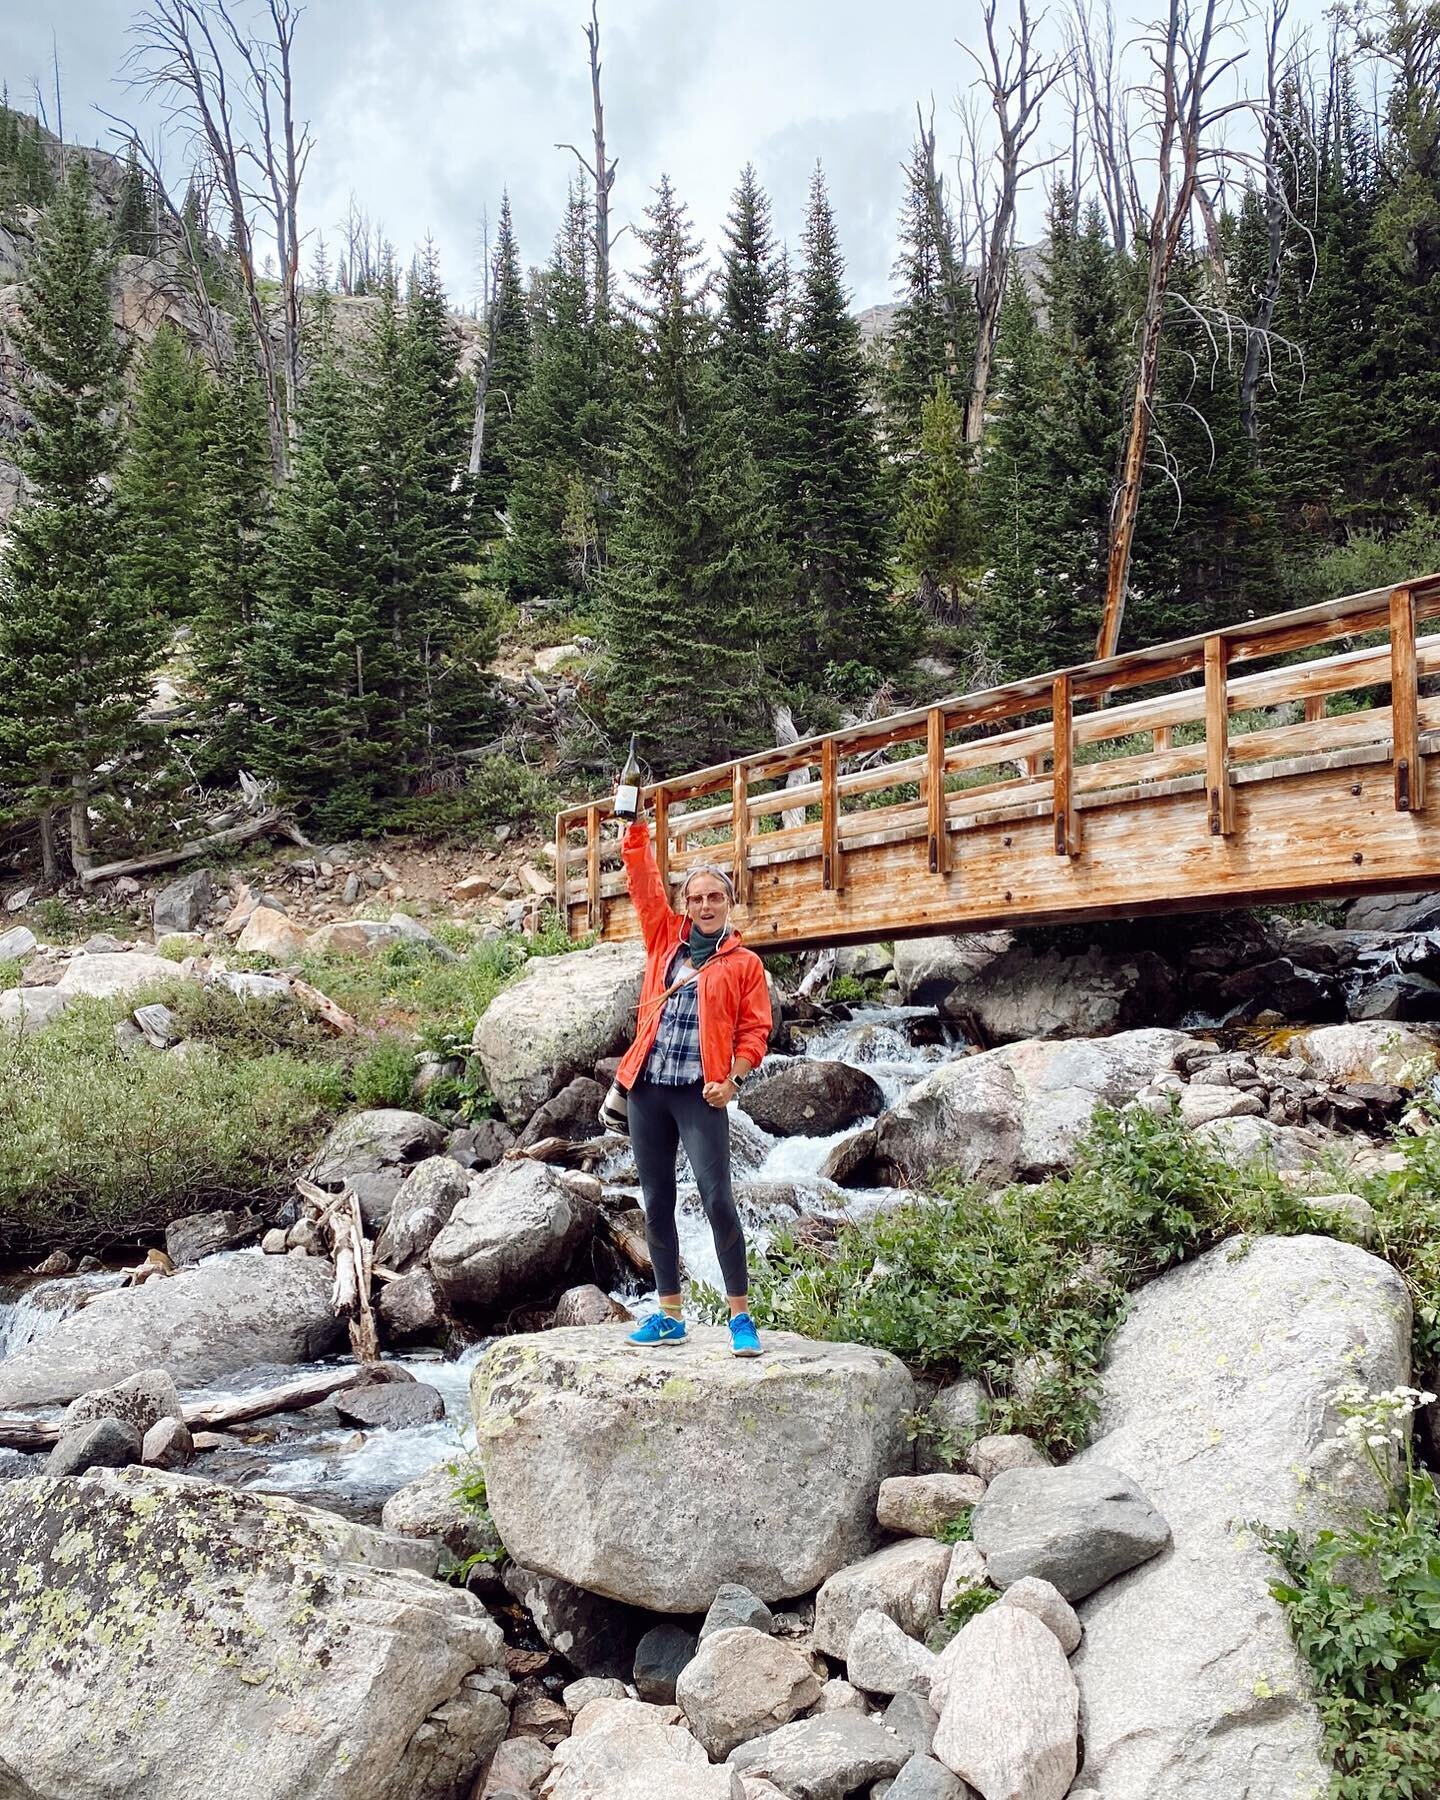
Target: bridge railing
[(1063, 743)]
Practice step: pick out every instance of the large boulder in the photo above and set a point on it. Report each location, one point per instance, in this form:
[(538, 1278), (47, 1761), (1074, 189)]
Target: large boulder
[(1008, 1707), (556, 1022), (625, 1750), (173, 1637), (201, 1325), (141, 1400), (771, 1466), (929, 969), (107, 977), (1394, 912), (1016, 1113), (369, 1143), (1216, 1401), (427, 1198), (1035, 989), (811, 1098), (826, 1757), (1367, 1051), (742, 1684), (1076, 1528), (30, 1009), (182, 904), (517, 1229)]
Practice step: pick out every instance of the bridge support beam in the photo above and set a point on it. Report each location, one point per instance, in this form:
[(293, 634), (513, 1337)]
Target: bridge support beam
[(1405, 705), (1067, 824), (1219, 793), (939, 836), (832, 866)]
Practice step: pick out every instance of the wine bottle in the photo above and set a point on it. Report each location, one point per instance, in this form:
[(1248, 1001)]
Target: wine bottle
[(627, 792)]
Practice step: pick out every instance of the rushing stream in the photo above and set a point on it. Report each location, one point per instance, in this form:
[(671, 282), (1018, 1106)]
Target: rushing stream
[(312, 1456)]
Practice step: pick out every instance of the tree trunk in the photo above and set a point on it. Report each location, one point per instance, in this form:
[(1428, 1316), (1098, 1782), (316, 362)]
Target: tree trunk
[(49, 855)]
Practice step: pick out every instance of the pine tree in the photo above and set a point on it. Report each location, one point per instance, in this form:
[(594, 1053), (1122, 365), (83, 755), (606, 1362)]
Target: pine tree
[(690, 561), (237, 497), (323, 668), (133, 236), (833, 518), (939, 531), (1084, 404), (25, 174), (1405, 265), (414, 455), (749, 294), (932, 333), (160, 491), (76, 648), (506, 376), (566, 430), (1014, 628)]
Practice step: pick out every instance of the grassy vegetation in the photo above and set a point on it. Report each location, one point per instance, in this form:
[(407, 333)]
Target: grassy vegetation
[(1037, 1276), (10, 972), (97, 1145)]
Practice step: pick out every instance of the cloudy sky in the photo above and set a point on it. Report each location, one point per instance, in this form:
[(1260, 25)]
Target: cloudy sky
[(427, 109)]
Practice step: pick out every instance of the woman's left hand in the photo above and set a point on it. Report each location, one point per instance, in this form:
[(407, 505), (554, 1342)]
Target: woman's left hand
[(719, 1093)]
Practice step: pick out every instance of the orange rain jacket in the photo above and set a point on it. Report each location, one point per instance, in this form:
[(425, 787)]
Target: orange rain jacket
[(733, 998)]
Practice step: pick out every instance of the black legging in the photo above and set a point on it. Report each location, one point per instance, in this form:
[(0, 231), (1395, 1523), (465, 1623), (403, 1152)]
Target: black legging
[(662, 1118)]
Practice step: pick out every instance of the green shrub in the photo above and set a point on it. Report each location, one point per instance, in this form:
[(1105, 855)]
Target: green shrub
[(958, 1283), (968, 1603), (10, 972), (500, 790), (1364, 1607), (384, 1073), (97, 1146)]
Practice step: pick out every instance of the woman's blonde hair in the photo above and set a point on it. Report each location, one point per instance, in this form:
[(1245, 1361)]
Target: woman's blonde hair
[(708, 869)]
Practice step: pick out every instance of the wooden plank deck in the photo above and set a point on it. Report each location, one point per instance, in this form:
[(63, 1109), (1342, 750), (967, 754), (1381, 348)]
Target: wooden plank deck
[(1057, 800)]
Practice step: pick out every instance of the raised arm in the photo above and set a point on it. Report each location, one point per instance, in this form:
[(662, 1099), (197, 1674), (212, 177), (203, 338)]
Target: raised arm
[(642, 877)]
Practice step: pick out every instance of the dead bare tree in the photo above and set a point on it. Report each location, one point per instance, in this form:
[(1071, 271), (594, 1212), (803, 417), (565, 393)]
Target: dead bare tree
[(1182, 53), (1278, 214), (280, 157), (942, 230), (1090, 34), (1016, 81), (178, 53), (601, 171)]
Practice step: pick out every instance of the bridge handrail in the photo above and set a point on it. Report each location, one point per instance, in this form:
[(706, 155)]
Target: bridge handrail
[(1397, 610)]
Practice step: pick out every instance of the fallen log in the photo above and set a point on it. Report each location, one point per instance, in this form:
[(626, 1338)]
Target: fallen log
[(264, 824), (323, 1007), (18, 1433), (627, 1234)]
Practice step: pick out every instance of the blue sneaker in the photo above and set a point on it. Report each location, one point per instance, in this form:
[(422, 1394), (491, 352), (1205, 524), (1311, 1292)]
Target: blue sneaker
[(744, 1339), (659, 1328)]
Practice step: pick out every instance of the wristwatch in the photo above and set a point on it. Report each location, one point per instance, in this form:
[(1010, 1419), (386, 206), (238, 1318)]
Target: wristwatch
[(740, 1080)]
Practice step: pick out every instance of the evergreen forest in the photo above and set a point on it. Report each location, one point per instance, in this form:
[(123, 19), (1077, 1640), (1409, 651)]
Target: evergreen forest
[(318, 520)]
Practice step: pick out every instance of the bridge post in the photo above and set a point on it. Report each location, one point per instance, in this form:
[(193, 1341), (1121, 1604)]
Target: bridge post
[(661, 802), (562, 870), (935, 791), (1067, 828), (1409, 765), (593, 917), (832, 868), (740, 834), (1219, 793)]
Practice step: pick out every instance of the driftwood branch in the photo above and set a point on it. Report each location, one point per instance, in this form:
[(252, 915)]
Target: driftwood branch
[(17, 1433), (266, 824)]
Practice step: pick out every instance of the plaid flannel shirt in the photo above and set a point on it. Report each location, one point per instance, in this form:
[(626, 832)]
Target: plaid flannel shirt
[(674, 1059)]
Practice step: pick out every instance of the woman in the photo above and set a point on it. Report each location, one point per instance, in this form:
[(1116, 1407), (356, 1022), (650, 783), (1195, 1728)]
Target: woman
[(703, 1025)]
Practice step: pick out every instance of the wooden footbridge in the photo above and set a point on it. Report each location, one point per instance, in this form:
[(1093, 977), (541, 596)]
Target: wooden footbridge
[(1055, 800)]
